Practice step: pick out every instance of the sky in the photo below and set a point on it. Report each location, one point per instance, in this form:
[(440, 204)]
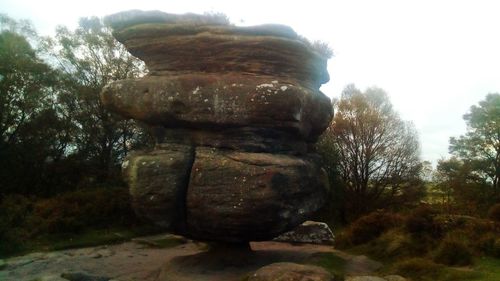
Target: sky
[(435, 59)]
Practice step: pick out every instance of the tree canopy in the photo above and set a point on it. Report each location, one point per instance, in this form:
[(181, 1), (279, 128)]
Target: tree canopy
[(480, 146), (52, 123), (378, 153)]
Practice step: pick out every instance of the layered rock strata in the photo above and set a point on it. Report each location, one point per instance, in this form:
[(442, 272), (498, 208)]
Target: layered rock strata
[(234, 111)]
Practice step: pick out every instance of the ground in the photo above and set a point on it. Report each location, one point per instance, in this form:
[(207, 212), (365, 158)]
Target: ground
[(145, 259)]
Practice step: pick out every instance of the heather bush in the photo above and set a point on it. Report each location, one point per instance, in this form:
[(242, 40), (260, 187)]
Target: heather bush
[(417, 267), (453, 251), (93, 208), (494, 213), (422, 221), (369, 227), (15, 212)]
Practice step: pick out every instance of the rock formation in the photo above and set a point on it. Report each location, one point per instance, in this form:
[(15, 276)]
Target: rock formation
[(236, 111)]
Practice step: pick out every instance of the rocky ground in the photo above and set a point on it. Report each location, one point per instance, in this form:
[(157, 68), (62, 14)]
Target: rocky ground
[(149, 258)]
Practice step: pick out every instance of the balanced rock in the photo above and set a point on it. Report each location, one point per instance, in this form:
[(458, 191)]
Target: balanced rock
[(241, 196), (234, 111)]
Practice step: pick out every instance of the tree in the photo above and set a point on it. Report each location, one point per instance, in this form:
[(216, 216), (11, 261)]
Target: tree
[(479, 148), (378, 152), (90, 58), (461, 188), (32, 133)]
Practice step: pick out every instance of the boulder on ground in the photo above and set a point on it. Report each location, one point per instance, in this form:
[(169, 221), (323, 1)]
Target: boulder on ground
[(240, 196), (308, 232), (158, 180), (287, 271)]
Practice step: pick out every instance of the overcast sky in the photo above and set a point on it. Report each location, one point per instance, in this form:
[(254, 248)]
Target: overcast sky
[(434, 58)]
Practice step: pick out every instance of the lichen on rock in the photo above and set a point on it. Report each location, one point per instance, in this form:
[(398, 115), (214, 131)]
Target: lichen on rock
[(234, 111)]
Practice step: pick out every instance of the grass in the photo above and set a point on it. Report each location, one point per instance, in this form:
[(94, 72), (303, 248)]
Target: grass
[(488, 269), (330, 262), (88, 238)]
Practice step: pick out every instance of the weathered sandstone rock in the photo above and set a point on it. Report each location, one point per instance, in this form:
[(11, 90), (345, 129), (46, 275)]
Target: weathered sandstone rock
[(193, 43), (158, 181), (235, 111), (200, 100), (287, 271), (309, 232), (238, 196), (245, 139)]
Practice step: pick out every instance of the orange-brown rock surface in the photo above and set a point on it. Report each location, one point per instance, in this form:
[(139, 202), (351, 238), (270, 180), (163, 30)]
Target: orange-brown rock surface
[(235, 110)]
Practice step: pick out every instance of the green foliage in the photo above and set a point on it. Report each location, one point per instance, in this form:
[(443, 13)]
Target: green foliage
[(421, 269), (23, 219), (331, 262), (367, 228), (453, 251), (74, 211), (475, 175), (422, 221), (418, 268), (14, 213), (494, 213), (394, 243), (89, 58), (55, 136), (377, 153)]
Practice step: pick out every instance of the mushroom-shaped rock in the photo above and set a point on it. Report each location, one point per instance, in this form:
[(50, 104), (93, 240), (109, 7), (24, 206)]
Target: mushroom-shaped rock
[(235, 111)]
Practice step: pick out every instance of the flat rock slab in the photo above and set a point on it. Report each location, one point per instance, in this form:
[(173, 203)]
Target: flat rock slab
[(143, 261), (200, 100), (167, 42)]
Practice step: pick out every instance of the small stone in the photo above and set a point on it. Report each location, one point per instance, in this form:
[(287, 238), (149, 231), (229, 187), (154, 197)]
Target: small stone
[(308, 232)]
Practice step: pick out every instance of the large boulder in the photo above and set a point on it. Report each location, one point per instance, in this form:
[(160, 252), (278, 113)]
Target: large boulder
[(201, 100), (157, 180), (239, 196), (190, 43), (235, 112)]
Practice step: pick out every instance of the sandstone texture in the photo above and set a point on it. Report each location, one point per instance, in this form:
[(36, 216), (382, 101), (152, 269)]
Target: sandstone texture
[(235, 111), (309, 232), (291, 272)]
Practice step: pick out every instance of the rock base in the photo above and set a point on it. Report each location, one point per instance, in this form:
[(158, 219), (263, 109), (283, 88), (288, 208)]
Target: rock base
[(239, 261)]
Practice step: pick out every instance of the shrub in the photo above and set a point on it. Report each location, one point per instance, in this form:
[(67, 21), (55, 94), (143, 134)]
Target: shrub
[(418, 268), (421, 221), (92, 208), (485, 243), (370, 227), (393, 243), (494, 213), (496, 248), (14, 214), (453, 251)]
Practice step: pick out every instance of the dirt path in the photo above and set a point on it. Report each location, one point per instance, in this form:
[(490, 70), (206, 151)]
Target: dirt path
[(137, 261)]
